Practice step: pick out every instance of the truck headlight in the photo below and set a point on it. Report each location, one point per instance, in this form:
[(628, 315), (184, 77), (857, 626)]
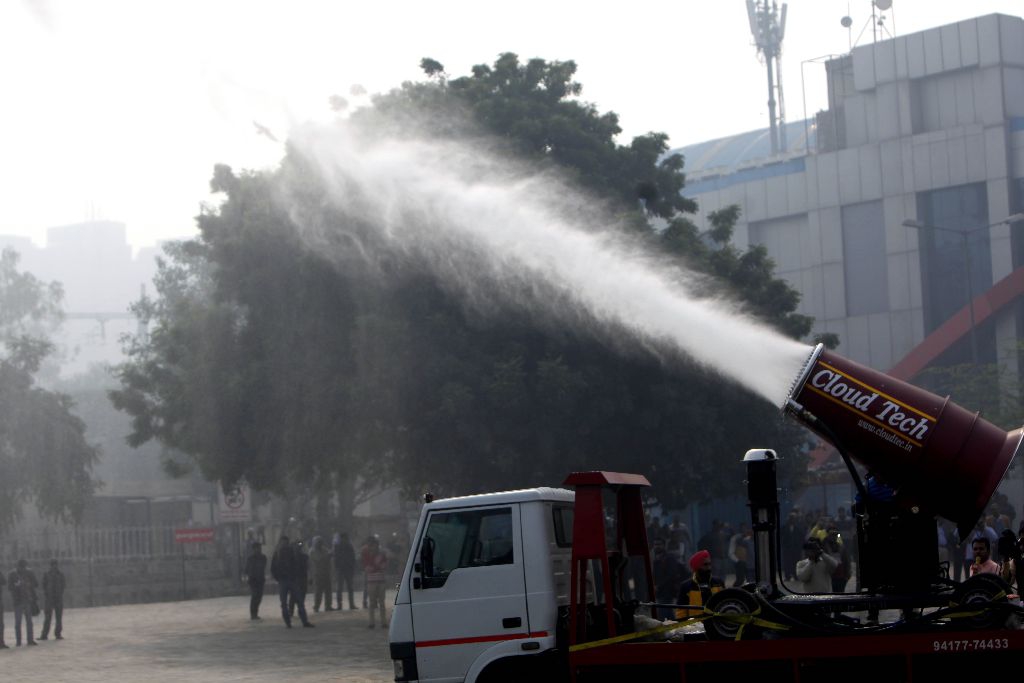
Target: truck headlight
[(405, 669), (404, 656)]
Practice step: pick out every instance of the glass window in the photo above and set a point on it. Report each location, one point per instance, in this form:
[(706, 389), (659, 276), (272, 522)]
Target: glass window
[(864, 261), (563, 525), (949, 253), (468, 538)]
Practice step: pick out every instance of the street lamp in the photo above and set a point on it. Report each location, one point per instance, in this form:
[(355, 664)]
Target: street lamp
[(964, 234)]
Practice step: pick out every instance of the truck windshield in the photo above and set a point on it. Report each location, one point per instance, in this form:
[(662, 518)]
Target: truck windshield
[(469, 538)]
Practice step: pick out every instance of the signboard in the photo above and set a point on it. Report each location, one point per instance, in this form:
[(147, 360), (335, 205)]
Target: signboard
[(236, 504), (193, 535)]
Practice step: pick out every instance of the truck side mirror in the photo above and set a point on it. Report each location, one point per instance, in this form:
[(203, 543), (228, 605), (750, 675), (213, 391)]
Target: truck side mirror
[(427, 557)]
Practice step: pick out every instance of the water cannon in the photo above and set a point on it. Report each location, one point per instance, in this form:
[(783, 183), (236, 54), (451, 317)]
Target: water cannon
[(923, 456), (937, 457)]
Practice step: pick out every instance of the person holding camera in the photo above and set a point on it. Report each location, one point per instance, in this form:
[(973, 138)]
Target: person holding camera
[(815, 571)]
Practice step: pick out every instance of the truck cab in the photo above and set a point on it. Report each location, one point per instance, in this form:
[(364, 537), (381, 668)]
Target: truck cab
[(483, 584)]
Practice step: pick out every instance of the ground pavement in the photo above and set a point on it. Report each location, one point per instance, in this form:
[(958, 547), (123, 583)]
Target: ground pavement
[(199, 641)]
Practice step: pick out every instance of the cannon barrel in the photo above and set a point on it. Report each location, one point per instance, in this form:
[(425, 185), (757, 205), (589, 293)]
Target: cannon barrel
[(938, 456)]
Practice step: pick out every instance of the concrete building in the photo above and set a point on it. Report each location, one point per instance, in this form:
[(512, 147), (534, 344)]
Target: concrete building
[(927, 127), (101, 275)]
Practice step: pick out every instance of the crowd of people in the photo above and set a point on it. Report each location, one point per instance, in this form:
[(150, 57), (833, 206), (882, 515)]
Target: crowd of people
[(24, 589), (818, 555), (330, 570)]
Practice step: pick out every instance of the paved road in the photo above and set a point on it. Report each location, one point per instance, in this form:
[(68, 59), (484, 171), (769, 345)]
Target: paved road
[(199, 641)]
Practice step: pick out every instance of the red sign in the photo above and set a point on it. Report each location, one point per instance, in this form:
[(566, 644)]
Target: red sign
[(193, 535)]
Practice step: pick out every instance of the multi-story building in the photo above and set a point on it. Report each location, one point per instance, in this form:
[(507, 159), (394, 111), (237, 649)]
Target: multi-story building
[(100, 276), (925, 129)]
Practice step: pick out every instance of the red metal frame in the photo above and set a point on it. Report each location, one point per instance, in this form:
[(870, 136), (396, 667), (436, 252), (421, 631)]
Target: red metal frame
[(985, 305), (588, 538)]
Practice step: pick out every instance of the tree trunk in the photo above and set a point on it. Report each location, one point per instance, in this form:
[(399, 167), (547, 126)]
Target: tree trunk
[(345, 488)]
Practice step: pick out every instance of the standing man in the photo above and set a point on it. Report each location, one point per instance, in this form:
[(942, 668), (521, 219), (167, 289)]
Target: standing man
[(3, 582), (375, 564), (344, 566), (667, 576), (739, 553), (53, 601), (983, 562), (22, 584), (833, 545), (698, 589), (284, 567), (256, 575), (302, 578), (981, 530), (815, 571), (320, 558)]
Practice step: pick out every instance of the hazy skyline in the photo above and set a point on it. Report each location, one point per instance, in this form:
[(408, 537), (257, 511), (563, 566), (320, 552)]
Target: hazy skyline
[(118, 110)]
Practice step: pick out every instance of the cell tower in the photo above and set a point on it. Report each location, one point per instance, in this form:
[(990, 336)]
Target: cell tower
[(768, 25)]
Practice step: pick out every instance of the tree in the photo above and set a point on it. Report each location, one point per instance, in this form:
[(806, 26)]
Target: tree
[(269, 361), (44, 457)]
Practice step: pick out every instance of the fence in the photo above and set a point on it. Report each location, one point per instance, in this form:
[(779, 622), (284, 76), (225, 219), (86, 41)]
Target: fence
[(106, 544)]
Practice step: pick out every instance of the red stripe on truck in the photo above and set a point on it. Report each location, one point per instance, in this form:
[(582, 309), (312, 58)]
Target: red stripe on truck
[(481, 639)]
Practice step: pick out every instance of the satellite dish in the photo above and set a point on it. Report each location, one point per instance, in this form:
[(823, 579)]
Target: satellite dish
[(846, 22), (883, 4)]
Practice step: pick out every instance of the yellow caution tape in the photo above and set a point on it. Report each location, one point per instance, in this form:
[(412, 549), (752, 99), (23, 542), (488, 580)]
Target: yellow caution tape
[(974, 612), (639, 634), (743, 619)]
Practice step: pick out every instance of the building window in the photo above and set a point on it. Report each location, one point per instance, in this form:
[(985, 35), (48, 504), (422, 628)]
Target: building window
[(945, 253), (783, 239), (864, 260)]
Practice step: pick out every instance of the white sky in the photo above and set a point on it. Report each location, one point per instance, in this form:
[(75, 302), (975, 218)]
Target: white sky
[(119, 109)]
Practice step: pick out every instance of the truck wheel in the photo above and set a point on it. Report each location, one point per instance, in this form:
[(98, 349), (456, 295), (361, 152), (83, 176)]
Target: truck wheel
[(980, 591), (731, 601)]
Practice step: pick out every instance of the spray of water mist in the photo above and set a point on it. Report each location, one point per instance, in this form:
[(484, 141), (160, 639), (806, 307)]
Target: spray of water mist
[(472, 217)]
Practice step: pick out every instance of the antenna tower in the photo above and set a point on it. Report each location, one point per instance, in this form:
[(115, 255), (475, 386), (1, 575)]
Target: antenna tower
[(768, 25)]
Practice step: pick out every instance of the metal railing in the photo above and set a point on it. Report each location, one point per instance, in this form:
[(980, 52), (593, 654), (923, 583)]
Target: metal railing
[(104, 544)]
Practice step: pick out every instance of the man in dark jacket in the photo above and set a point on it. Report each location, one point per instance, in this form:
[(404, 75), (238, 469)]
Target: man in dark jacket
[(302, 580), (22, 584), (256, 575), (668, 574), (3, 583), (344, 566), (286, 568), (53, 601)]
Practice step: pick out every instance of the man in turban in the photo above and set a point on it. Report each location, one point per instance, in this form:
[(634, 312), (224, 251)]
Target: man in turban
[(698, 589)]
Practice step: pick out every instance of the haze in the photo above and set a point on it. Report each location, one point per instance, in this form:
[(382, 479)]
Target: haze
[(118, 110)]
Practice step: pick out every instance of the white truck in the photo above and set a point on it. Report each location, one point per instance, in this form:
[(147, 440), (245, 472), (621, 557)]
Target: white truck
[(483, 585)]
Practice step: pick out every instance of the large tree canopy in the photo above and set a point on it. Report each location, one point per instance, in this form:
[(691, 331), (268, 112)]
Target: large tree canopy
[(269, 361), (44, 458)]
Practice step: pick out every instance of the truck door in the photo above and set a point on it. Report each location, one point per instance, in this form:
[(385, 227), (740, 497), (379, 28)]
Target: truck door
[(468, 589)]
